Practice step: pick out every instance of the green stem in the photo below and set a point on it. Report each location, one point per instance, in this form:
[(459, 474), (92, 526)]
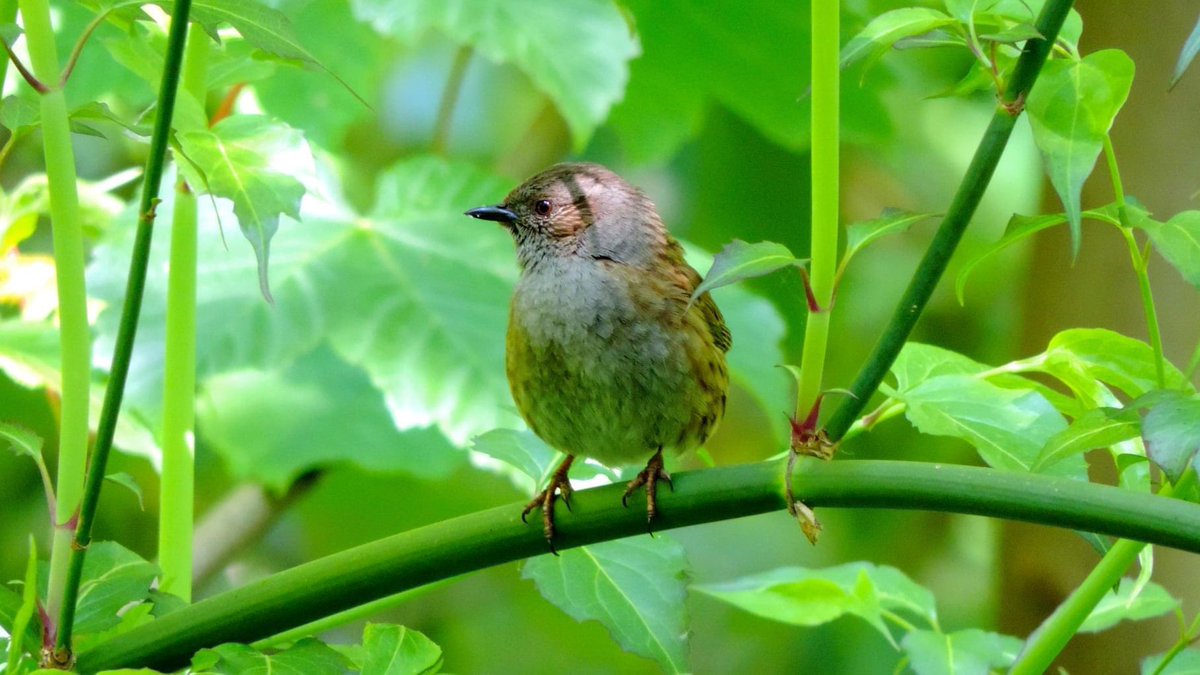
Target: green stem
[(74, 335), (824, 239), (1140, 264), (1187, 635), (445, 114), (8, 14), (480, 540), (127, 330), (970, 192), (175, 520), (1045, 643)]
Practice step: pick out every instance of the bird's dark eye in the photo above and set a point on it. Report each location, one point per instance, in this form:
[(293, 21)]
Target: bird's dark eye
[(542, 207)]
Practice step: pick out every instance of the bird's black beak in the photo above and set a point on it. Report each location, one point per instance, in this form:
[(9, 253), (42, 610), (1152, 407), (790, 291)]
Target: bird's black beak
[(496, 213)]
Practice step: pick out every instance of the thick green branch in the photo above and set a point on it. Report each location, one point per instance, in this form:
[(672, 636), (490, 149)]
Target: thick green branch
[(496, 536), (966, 200)]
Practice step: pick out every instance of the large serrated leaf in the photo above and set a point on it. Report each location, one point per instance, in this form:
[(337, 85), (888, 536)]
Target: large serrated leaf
[(635, 587), (1083, 357), (239, 159), (582, 64), (307, 657), (1071, 108)]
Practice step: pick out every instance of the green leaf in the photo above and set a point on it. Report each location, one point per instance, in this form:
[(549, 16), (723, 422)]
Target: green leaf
[(307, 657), (396, 650), (893, 221), (25, 627), (958, 653), (635, 587), (1097, 428), (529, 456), (129, 483), (1186, 662), (1019, 227), (1007, 426), (885, 30), (811, 597), (11, 606), (1014, 34), (243, 158), (1186, 55), (113, 577), (1081, 357), (739, 260), (272, 426), (1071, 108), (1177, 240), (919, 362), (1127, 603), (582, 65), (1171, 430), (19, 114)]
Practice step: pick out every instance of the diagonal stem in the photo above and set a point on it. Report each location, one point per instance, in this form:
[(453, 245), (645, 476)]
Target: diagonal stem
[(966, 200)]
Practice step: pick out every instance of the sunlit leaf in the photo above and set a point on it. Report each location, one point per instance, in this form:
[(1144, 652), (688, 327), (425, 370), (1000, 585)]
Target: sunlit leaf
[(1071, 108), (1127, 603), (885, 30), (958, 653), (635, 587), (1186, 55), (395, 650), (1082, 356), (271, 426), (1007, 426), (129, 483), (307, 657), (239, 159), (1172, 432), (811, 597), (582, 65), (1177, 240), (739, 260), (1097, 428)]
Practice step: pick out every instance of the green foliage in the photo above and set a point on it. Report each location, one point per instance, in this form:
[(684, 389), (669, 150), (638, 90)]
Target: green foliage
[(739, 260), (396, 650), (1129, 602), (634, 587), (306, 657), (1178, 240), (965, 651), (1172, 432), (1191, 47)]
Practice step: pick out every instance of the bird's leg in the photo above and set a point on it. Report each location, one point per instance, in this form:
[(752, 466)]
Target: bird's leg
[(649, 477), (559, 484)]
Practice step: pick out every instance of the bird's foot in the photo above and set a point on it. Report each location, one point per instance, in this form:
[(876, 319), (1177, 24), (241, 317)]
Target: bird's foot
[(560, 485), (649, 477)]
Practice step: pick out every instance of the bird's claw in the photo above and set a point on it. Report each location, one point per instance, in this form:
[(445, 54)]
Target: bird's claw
[(649, 477)]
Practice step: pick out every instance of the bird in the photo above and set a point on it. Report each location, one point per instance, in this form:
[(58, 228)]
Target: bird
[(608, 355)]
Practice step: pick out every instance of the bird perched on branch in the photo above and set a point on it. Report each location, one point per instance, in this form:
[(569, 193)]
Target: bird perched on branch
[(608, 355)]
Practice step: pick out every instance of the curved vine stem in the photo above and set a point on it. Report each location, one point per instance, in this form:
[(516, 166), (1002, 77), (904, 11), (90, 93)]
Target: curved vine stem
[(480, 540)]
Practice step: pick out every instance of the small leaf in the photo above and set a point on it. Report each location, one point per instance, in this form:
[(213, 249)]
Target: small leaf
[(1186, 55), (25, 442), (892, 221), (1081, 357), (240, 159), (25, 628), (1186, 662), (1020, 227), (811, 597), (886, 29), (739, 260), (1097, 428), (635, 587), (127, 481), (307, 657), (1172, 433), (1126, 603), (395, 650), (19, 114), (1071, 108), (1177, 240), (965, 651)]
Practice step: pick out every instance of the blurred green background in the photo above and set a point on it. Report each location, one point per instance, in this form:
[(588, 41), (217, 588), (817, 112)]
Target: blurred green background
[(711, 123)]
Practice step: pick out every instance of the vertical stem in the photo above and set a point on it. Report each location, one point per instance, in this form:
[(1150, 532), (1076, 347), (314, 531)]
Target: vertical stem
[(175, 520), (123, 351), (958, 216), (445, 114), (1045, 643), (825, 111), (8, 14), (74, 335), (1140, 264)]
